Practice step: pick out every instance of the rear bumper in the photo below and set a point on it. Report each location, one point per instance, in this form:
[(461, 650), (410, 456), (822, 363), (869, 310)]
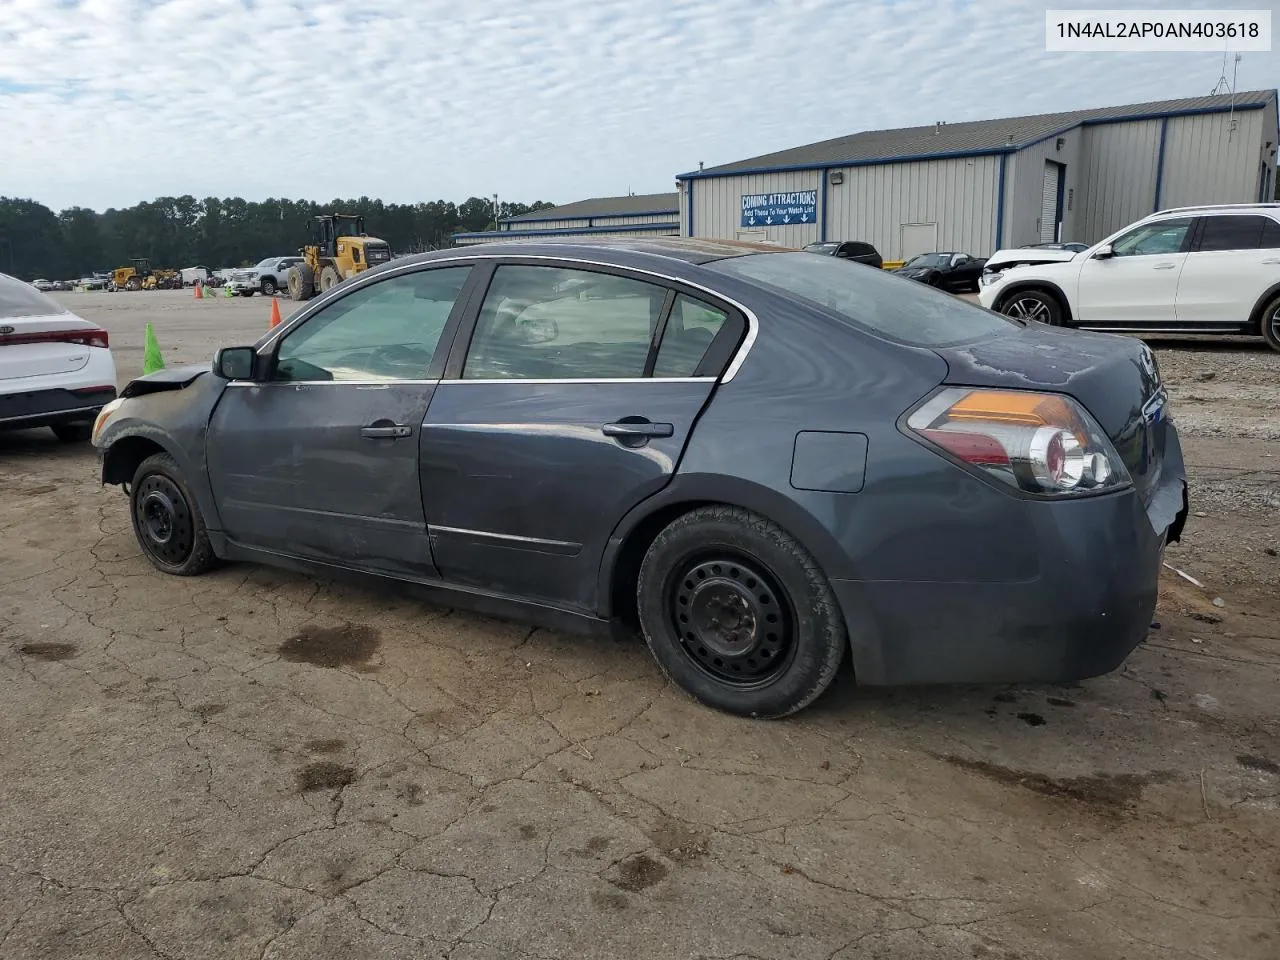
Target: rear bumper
[(1079, 616), (40, 408)]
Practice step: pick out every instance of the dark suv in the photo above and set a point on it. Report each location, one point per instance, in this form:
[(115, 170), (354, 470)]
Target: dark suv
[(854, 250)]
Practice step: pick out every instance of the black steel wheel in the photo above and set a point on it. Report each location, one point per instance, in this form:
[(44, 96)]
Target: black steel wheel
[(1271, 324), (738, 614), (1032, 306), (732, 619), (166, 520)]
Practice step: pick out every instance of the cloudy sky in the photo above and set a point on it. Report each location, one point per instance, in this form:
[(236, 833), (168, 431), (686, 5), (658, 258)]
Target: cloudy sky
[(108, 102)]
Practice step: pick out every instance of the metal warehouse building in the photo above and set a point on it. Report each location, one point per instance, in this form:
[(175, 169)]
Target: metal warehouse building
[(649, 215), (979, 186)]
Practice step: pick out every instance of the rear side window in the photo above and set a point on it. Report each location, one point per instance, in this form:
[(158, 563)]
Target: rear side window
[(888, 306), (1232, 233), (553, 323), (688, 335), (18, 299), (1270, 235)]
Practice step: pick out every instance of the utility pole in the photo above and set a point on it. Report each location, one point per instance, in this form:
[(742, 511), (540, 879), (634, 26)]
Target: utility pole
[(496, 228)]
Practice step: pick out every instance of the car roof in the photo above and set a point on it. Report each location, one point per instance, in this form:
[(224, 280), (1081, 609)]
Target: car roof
[(618, 252)]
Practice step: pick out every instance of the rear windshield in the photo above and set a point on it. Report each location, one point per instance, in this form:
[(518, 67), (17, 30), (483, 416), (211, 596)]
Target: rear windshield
[(888, 306), (18, 299)]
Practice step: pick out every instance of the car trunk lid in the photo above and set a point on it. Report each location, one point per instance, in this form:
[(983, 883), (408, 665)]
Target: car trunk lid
[(45, 345), (1114, 378)]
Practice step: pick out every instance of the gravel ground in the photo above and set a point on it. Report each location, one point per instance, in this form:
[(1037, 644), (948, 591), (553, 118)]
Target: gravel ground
[(258, 764)]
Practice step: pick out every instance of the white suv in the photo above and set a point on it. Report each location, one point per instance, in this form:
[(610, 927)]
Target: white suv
[(1212, 269)]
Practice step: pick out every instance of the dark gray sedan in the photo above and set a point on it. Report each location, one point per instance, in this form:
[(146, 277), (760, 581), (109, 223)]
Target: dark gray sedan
[(762, 459)]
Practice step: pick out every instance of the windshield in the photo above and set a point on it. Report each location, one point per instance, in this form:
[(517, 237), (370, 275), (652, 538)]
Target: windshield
[(18, 299), (877, 302), (929, 260), (343, 227)]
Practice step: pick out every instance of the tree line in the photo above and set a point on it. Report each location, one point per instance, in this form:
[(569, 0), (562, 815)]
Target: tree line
[(214, 232)]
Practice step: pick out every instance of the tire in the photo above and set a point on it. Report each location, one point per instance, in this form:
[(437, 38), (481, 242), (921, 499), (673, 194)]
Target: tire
[(269, 287), (247, 293), (1033, 305), (72, 432), (329, 278), (787, 637), (1270, 324), (301, 282), (167, 520), (132, 284)]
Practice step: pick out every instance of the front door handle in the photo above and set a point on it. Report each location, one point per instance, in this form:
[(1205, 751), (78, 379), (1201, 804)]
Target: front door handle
[(1164, 266), (1272, 262), (385, 430), (637, 430)]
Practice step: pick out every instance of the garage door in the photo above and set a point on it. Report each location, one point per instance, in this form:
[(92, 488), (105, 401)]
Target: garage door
[(1049, 204)]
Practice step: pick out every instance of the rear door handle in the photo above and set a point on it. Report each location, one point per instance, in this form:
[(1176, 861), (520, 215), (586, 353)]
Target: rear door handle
[(1165, 266), (638, 429), (1272, 261), (385, 430)]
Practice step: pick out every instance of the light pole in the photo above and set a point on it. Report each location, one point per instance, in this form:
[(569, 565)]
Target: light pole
[(496, 228)]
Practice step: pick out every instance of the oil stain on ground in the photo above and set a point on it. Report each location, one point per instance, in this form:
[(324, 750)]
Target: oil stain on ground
[(324, 775), (639, 872), (327, 745), (331, 646), (609, 901), (48, 651), (1106, 790), (1260, 764)]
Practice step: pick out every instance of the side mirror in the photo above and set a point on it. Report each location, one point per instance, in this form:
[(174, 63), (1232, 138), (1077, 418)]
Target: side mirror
[(235, 363), (1104, 252)]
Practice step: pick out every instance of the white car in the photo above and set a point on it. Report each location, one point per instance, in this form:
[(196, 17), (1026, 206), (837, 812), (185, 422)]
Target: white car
[(56, 369), (44, 286), (1210, 270)]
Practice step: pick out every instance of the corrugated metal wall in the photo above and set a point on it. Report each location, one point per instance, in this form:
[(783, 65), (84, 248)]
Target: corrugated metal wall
[(1118, 184), (1024, 179), (507, 236), (717, 205), (672, 217), (958, 195), (1212, 159)]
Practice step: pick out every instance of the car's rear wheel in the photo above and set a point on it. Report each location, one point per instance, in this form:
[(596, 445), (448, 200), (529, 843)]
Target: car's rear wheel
[(1271, 324), (166, 519), (268, 287), (1033, 305), (72, 432), (247, 292), (738, 614)]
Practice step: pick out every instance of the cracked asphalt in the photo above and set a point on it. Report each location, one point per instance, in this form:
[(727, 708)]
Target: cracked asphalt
[(258, 764)]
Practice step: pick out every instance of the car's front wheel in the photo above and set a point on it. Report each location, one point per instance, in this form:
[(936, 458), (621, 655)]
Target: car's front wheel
[(1033, 305), (247, 292), (167, 520), (268, 287), (738, 613), (1271, 324)]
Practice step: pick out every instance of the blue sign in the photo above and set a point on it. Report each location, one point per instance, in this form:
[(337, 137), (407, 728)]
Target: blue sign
[(779, 209)]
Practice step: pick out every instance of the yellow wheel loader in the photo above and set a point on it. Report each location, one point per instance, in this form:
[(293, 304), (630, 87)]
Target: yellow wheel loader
[(339, 249)]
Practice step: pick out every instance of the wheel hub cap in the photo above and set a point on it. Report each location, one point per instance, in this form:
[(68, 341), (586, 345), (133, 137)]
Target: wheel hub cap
[(732, 621)]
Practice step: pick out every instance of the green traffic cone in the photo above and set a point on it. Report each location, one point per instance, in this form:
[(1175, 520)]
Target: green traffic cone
[(151, 359)]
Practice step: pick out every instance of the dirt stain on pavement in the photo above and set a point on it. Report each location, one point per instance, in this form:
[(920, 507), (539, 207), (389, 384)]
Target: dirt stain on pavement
[(48, 651), (1106, 790), (679, 842), (594, 847), (609, 901), (327, 745), (331, 647), (37, 491), (1260, 764), (1060, 702), (1032, 719), (528, 831), (324, 775), (640, 872), (206, 710)]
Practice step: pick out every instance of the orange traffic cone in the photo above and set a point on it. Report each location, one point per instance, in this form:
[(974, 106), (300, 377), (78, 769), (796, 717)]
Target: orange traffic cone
[(275, 312), (199, 295)]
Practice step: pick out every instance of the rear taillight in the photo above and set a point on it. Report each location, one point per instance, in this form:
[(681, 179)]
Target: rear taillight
[(1042, 443), (85, 338)]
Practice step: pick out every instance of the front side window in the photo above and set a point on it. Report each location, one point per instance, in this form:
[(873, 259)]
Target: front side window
[(1232, 233), (553, 323), (929, 260), (1152, 239), (386, 331)]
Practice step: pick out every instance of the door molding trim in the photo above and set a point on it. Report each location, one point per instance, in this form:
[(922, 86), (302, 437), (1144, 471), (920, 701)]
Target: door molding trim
[(560, 548)]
